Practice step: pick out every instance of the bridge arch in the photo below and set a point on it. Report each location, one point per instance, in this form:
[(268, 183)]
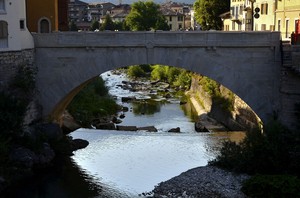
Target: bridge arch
[(247, 63)]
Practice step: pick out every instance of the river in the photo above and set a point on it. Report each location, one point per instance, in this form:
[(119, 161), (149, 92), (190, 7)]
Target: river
[(131, 163), (126, 164)]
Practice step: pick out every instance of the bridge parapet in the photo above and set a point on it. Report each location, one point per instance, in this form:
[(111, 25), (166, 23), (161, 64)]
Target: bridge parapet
[(157, 39)]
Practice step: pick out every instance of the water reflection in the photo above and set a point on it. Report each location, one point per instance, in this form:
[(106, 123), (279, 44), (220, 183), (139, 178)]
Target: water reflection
[(64, 179), (147, 107)]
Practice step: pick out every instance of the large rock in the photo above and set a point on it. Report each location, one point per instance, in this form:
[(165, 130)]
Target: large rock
[(175, 130), (68, 123), (126, 128), (148, 129), (106, 126), (79, 144), (199, 127), (51, 131)]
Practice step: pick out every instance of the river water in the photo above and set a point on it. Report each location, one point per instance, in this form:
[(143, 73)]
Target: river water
[(131, 163), (126, 164)]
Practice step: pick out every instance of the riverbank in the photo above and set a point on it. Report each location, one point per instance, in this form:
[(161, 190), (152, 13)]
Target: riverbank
[(205, 182)]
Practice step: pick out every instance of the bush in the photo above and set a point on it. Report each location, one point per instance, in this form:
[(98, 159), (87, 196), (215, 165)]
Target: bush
[(159, 73), (269, 186), (12, 114), (135, 71), (275, 151), (92, 102)]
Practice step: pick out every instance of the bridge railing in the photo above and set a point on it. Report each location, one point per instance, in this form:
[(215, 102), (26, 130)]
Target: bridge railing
[(157, 39)]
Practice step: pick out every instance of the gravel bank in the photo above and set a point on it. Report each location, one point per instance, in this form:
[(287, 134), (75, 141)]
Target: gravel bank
[(203, 182)]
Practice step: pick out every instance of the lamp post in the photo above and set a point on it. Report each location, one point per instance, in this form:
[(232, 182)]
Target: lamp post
[(252, 14)]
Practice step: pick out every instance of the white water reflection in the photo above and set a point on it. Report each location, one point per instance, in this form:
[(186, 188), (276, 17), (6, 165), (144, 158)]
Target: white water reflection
[(137, 161)]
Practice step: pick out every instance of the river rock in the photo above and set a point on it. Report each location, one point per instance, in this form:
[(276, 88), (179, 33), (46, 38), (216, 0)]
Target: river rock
[(79, 144), (148, 129), (107, 126), (127, 99), (199, 127), (175, 130), (51, 131), (126, 128), (68, 123)]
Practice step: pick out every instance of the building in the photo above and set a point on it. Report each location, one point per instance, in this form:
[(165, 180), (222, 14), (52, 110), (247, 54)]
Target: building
[(119, 12), (174, 14), (287, 13), (266, 15), (47, 15), (14, 35)]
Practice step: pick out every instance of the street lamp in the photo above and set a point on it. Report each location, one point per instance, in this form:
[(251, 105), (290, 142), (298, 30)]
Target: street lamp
[(252, 14)]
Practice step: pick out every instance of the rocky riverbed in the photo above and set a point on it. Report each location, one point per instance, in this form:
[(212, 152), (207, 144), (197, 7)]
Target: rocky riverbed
[(204, 182)]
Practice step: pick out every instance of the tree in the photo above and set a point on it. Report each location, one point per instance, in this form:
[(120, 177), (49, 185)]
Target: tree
[(207, 13), (146, 16), (95, 25), (73, 26), (108, 24)]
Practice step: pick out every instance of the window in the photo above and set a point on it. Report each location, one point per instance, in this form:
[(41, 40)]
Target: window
[(3, 34), (22, 24), (233, 25), (279, 25), (264, 8), (170, 18), (287, 24), (44, 26), (2, 6), (263, 27), (180, 18)]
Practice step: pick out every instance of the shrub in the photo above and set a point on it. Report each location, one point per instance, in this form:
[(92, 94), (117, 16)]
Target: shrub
[(135, 71), (92, 102), (159, 73), (184, 80), (275, 151), (269, 186)]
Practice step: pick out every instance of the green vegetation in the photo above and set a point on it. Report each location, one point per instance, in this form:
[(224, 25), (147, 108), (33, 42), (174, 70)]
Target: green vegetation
[(95, 25), (213, 89), (145, 15), (175, 76), (276, 150), (207, 13), (108, 24), (269, 186), (136, 71), (92, 102)]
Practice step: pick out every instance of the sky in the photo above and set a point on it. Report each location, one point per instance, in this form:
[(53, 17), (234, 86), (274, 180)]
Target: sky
[(132, 1)]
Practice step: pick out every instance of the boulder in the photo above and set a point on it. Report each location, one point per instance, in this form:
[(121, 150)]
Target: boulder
[(126, 128), (128, 99), (107, 126), (68, 123), (199, 127), (175, 130), (79, 144), (147, 128)]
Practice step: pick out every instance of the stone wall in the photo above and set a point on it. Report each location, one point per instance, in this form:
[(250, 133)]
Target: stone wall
[(241, 118), (10, 62)]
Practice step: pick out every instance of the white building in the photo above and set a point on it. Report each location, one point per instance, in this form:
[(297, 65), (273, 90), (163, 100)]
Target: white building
[(14, 35)]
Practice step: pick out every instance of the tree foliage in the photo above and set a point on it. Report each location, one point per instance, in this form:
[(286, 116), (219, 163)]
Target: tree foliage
[(108, 24), (207, 13), (95, 25), (146, 16)]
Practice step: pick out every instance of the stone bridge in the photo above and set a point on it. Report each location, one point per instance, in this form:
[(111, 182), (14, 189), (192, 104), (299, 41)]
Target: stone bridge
[(248, 63)]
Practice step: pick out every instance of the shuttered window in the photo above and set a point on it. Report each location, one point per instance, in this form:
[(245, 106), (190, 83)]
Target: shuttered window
[(2, 6), (264, 8), (3, 29)]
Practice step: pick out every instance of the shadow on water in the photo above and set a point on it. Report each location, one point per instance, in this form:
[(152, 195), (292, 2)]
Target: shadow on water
[(62, 180)]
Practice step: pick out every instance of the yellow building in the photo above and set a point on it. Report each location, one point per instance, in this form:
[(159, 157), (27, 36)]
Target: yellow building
[(266, 15), (42, 16), (288, 11)]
